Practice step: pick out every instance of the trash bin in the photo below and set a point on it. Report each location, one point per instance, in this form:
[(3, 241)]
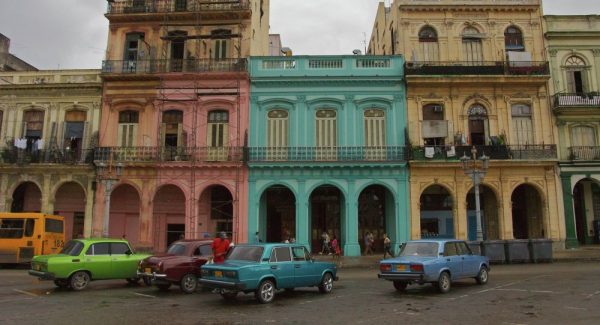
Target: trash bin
[(597, 231), (475, 247), (540, 250), (494, 250), (517, 251)]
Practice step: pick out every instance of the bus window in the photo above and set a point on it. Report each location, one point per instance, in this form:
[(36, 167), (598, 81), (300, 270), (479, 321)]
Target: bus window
[(53, 225), (11, 228), (29, 227)]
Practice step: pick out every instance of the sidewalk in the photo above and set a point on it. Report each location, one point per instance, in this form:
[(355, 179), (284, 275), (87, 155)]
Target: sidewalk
[(582, 254)]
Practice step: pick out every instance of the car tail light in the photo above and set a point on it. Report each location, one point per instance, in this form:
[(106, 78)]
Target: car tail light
[(385, 267), (416, 267)]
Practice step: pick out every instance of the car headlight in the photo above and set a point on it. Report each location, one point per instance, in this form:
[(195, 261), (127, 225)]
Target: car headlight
[(204, 271)]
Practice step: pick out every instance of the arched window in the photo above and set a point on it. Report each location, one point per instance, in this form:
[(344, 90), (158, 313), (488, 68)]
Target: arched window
[(522, 125), (513, 39), (478, 125), (127, 132), (277, 134), (576, 75), (172, 129), (472, 46), (326, 134), (428, 45)]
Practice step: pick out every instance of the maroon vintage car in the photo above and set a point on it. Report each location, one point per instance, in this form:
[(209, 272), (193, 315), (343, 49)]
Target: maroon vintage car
[(180, 265)]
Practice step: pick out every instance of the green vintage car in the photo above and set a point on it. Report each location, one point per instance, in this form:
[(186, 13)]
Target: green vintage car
[(84, 260)]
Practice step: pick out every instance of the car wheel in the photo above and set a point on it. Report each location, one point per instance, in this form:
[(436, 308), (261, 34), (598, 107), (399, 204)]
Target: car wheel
[(63, 284), (444, 282), (265, 292), (79, 280), (482, 276), (326, 283), (400, 285), (229, 296), (163, 286), (189, 283), (133, 280)]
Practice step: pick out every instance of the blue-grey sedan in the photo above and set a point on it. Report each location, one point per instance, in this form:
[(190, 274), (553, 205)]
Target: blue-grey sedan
[(434, 261), (262, 269)]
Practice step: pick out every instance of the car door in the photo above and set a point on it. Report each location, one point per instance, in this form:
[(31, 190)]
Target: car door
[(282, 267), (97, 260), (304, 270), (470, 266), (123, 263), (453, 259)]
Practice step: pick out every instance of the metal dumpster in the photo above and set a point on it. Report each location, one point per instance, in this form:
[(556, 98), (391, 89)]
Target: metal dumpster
[(494, 250), (540, 250), (475, 247), (517, 251)]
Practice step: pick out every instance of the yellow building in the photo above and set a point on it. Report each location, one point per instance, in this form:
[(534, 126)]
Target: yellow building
[(476, 76), (48, 128)]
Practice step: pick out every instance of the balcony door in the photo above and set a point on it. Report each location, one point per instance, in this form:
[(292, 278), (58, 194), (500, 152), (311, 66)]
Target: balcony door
[(74, 131), (576, 75), (375, 137), (277, 135), (478, 125), (326, 134), (218, 135), (177, 50), (132, 52), (221, 39), (583, 142), (472, 46), (127, 130), (522, 125), (172, 137), (33, 128)]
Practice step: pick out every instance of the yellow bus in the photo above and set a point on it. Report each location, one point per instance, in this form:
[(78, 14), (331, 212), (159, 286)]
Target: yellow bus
[(24, 235)]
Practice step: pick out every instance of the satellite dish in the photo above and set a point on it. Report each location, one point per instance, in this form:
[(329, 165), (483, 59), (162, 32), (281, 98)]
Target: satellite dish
[(357, 52)]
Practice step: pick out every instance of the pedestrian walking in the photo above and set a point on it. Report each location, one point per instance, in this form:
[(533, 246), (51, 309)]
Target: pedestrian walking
[(387, 246), (368, 240), (325, 243), (335, 246)]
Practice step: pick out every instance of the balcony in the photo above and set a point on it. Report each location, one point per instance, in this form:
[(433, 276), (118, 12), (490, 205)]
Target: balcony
[(329, 154), (17, 156), (584, 153), (498, 152), (144, 67), (168, 154), (581, 100), (168, 6), (478, 68)]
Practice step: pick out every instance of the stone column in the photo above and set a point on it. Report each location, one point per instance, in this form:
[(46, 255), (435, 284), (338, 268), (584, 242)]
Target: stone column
[(146, 216), (47, 197), (302, 215), (506, 224), (596, 53), (89, 209), (571, 240), (350, 231)]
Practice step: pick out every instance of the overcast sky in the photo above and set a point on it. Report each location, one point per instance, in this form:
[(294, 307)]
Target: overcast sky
[(71, 34)]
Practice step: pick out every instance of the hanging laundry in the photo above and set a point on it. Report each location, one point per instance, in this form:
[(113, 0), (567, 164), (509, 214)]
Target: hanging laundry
[(451, 152), (429, 152)]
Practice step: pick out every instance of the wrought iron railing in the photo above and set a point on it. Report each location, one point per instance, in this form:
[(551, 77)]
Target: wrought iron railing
[(477, 68), (168, 66), (584, 153), (13, 155), (497, 152), (165, 6), (328, 154), (168, 154), (577, 100)]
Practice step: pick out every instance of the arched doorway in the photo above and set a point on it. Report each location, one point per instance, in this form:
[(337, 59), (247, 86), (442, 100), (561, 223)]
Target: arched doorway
[(478, 125), (27, 197), (277, 214), (69, 202), (125, 214), (586, 205), (216, 212), (168, 213), (489, 214), (527, 213), (326, 204), (437, 213), (375, 214)]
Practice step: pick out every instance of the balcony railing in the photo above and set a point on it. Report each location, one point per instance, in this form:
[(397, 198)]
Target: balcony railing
[(165, 6), (168, 66), (329, 154), (584, 153), (17, 156), (477, 68), (498, 152), (577, 100), (168, 154)]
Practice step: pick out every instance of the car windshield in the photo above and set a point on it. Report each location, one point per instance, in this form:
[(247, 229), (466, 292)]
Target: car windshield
[(245, 253), (419, 249), (72, 247), (176, 249)]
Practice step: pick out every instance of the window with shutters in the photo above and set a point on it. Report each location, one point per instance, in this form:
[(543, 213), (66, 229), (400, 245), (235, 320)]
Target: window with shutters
[(33, 127), (74, 131), (326, 134), (522, 127), (583, 143), (218, 135), (221, 43), (472, 46), (128, 123), (375, 134), (428, 45), (513, 39), (133, 51), (277, 135), (576, 75)]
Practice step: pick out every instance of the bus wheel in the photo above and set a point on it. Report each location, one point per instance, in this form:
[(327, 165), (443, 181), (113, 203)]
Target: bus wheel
[(62, 283)]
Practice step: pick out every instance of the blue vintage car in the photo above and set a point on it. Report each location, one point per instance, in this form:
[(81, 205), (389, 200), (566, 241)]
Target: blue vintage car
[(263, 268), (434, 261)]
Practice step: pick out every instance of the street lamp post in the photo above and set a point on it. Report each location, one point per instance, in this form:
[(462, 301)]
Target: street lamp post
[(476, 169), (108, 175)]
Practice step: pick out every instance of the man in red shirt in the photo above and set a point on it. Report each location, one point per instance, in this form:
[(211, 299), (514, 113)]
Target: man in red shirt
[(220, 246)]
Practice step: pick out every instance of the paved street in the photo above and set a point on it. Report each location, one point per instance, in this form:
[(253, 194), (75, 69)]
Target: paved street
[(516, 294)]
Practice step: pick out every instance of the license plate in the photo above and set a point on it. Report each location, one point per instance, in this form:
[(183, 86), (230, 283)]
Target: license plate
[(148, 270), (218, 274), (400, 268)]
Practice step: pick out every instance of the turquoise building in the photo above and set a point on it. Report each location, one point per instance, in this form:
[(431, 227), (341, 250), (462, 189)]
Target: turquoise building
[(326, 150)]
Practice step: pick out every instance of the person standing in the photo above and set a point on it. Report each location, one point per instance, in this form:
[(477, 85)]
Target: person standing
[(220, 246), (335, 246), (368, 243), (325, 243), (387, 246)]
